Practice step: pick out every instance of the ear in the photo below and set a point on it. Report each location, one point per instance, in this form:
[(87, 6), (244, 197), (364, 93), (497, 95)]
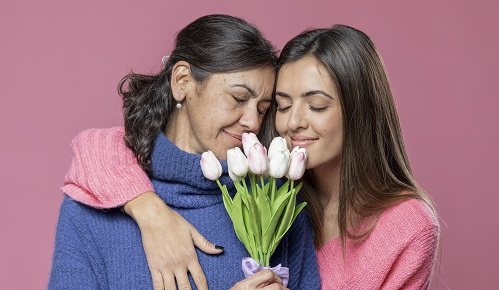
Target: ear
[(181, 76)]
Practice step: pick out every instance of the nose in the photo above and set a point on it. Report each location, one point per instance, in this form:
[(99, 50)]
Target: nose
[(297, 119), (250, 120)]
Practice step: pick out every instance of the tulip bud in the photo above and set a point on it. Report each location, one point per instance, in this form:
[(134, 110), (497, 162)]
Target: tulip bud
[(297, 164), (278, 144), (234, 177), (237, 162), (279, 163), (248, 140), (278, 157), (257, 159), (211, 167)]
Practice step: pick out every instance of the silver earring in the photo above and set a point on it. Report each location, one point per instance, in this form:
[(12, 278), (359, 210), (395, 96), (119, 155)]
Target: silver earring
[(179, 105)]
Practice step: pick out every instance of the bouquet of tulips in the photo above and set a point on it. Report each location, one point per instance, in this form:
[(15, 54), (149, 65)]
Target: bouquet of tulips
[(261, 212)]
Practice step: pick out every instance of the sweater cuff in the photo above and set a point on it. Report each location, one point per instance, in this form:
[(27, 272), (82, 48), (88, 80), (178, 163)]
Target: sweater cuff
[(104, 172)]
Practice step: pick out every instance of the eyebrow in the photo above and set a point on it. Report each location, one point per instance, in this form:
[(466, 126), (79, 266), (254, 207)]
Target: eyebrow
[(250, 90), (306, 94)]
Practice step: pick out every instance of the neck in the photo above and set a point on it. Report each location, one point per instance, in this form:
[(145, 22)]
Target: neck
[(179, 132), (326, 179)]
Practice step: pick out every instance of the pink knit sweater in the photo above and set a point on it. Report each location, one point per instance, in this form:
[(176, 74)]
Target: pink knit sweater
[(398, 254)]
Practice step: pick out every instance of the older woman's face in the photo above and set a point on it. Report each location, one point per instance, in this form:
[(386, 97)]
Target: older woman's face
[(217, 112), (309, 111)]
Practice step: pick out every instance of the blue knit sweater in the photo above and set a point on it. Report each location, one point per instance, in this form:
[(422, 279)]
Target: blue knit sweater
[(98, 249)]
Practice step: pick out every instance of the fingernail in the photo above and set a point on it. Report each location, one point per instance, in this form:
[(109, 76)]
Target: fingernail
[(219, 247)]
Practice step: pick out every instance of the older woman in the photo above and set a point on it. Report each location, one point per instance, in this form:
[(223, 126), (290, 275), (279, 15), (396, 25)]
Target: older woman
[(216, 84)]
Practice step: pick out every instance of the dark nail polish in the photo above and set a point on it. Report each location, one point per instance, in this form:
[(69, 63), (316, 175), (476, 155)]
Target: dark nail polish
[(219, 247)]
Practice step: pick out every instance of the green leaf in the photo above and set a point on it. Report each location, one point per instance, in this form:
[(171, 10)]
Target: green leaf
[(227, 201), (265, 218), (282, 190), (287, 218), (238, 220), (251, 246), (270, 231), (298, 209)]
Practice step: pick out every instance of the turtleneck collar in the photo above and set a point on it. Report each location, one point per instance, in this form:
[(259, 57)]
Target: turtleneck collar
[(180, 173)]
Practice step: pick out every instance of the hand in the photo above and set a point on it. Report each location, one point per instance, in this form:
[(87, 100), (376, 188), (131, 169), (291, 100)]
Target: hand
[(265, 279), (169, 256)]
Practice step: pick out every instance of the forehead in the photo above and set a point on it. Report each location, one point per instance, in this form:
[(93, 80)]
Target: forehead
[(258, 81), (304, 74)]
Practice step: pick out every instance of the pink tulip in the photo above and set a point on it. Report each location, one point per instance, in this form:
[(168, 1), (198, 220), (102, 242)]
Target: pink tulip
[(297, 163), (248, 140), (211, 167), (257, 159)]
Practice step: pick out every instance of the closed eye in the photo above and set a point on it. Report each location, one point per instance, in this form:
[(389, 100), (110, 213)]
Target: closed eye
[(318, 109), (239, 100), (282, 109)]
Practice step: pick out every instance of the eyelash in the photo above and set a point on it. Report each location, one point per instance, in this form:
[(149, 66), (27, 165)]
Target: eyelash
[(315, 109), (242, 101), (283, 109), (239, 100)]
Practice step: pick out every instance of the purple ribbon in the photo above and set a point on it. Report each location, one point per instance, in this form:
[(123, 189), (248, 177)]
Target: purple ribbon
[(251, 267)]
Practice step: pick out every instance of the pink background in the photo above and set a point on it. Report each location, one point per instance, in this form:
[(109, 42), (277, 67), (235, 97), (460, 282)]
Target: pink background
[(60, 62)]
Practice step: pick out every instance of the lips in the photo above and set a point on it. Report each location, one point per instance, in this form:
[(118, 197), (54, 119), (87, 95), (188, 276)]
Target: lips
[(302, 141), (235, 136)]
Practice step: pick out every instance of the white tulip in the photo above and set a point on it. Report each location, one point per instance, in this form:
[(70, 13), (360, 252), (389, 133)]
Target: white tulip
[(211, 167), (278, 144), (237, 162), (279, 163)]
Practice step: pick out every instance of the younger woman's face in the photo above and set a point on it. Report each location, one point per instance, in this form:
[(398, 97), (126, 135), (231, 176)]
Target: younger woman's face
[(309, 111)]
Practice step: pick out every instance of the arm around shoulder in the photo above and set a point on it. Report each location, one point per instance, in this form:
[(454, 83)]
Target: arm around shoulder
[(104, 172)]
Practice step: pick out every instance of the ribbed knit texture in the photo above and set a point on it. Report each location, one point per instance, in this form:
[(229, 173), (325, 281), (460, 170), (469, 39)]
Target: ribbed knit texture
[(98, 249), (104, 172), (398, 254)]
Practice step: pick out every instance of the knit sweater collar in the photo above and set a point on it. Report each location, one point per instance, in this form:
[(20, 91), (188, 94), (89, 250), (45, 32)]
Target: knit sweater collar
[(171, 164)]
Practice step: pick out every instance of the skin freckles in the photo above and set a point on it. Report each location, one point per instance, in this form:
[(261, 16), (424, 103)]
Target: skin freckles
[(228, 105)]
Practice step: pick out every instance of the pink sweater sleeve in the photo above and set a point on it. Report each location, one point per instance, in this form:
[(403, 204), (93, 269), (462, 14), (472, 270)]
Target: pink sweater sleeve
[(104, 172), (413, 267)]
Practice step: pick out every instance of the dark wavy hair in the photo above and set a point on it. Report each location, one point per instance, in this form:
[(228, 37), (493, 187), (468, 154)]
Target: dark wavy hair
[(375, 171), (210, 44)]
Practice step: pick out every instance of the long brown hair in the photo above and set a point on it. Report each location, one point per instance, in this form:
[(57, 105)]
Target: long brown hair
[(375, 172)]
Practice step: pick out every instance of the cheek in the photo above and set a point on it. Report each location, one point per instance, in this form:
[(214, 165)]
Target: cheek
[(281, 123)]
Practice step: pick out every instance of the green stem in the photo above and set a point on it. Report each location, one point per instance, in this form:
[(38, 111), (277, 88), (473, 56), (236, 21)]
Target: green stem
[(219, 184), (245, 185)]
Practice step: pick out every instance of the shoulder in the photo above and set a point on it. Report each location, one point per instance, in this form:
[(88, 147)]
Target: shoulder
[(94, 134), (74, 210), (408, 220)]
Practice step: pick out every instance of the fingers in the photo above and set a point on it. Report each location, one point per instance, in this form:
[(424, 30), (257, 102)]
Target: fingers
[(261, 279), (203, 244), (182, 281), (198, 276), (157, 280), (274, 286), (168, 280)]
